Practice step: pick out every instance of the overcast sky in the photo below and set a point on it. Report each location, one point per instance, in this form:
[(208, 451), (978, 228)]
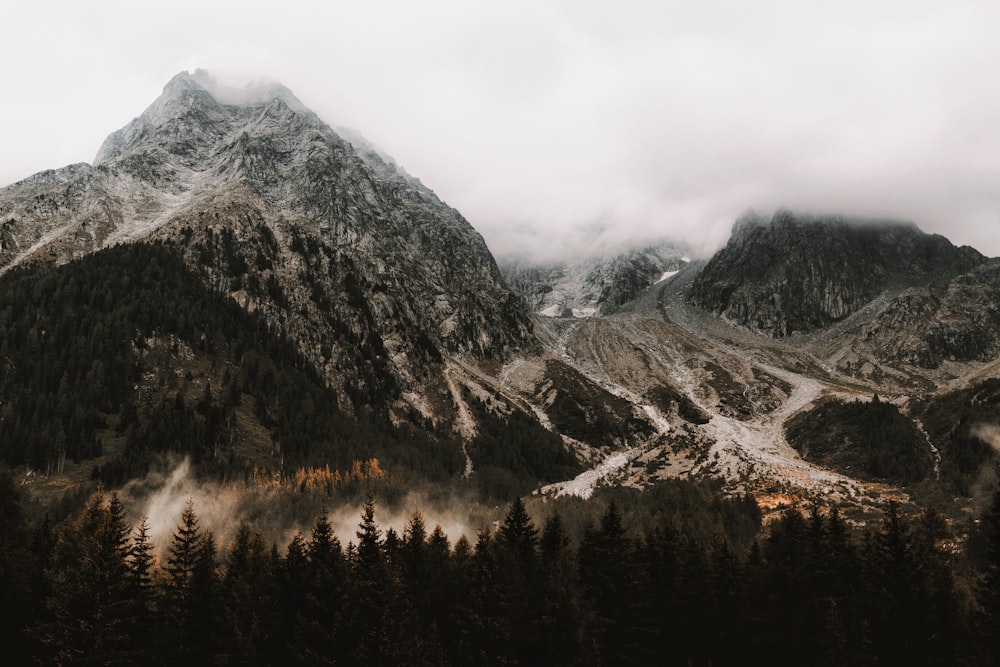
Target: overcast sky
[(553, 125)]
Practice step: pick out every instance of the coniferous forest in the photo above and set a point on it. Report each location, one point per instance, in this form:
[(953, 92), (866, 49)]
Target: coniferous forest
[(574, 584), (123, 360)]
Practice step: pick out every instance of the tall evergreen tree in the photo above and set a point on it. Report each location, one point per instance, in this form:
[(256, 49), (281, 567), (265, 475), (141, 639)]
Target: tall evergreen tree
[(249, 593), (191, 601), (989, 590), (326, 595), (143, 593), (381, 623), (90, 587), (519, 583), (604, 557), (566, 624)]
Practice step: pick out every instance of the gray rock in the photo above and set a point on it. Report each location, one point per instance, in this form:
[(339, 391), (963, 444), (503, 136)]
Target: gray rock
[(801, 273), (373, 276)]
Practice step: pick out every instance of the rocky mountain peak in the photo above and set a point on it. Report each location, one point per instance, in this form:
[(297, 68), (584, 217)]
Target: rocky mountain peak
[(365, 268), (747, 222), (798, 273)]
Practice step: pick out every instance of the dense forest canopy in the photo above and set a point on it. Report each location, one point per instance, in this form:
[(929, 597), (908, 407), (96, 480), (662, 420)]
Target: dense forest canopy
[(578, 582)]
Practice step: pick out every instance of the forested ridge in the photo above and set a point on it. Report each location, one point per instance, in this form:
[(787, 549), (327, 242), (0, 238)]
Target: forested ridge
[(809, 589), (125, 355)]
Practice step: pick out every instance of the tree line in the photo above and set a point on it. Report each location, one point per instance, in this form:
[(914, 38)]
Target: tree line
[(808, 590)]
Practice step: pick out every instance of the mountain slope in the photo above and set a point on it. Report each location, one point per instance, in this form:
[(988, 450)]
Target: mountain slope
[(798, 273), (371, 275), (355, 281)]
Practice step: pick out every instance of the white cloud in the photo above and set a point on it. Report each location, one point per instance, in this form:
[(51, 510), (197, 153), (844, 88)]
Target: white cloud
[(542, 120)]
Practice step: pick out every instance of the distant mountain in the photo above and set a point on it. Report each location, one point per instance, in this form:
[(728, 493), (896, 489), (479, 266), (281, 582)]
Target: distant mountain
[(800, 273), (595, 285)]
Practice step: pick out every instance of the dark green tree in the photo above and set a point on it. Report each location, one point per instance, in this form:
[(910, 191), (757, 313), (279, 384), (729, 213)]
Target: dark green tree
[(18, 608), (192, 601), (249, 593), (90, 590)]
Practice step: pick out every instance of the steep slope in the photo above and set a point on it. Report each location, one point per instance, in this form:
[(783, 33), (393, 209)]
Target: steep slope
[(799, 273), (592, 285), (125, 354), (925, 326), (365, 269)]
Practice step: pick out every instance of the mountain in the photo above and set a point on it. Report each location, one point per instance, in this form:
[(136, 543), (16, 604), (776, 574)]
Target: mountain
[(958, 320), (595, 285), (236, 281), (241, 308), (372, 276), (801, 273)]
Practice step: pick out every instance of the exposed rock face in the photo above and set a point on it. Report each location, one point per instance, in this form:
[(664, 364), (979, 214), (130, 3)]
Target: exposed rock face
[(350, 256), (959, 321), (799, 273), (594, 285)]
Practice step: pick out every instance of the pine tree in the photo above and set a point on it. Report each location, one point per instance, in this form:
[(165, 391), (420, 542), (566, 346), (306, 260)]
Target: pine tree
[(604, 558), (381, 621), (143, 594), (249, 593), (566, 626), (17, 608), (519, 583), (191, 599), (891, 586), (325, 595), (989, 591), (295, 612), (90, 587), (183, 552)]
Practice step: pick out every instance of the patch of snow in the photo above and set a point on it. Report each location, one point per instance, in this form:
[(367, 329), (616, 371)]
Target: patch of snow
[(686, 260), (554, 310), (667, 275), (583, 313), (935, 454), (583, 485)]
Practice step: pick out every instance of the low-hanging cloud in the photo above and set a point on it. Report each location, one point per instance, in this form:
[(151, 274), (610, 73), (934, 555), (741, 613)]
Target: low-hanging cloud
[(161, 496)]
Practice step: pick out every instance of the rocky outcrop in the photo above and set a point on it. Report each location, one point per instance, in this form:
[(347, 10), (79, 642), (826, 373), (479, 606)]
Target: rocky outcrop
[(957, 321), (800, 273)]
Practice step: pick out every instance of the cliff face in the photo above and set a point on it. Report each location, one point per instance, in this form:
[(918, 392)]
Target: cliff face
[(799, 273), (957, 321), (341, 250)]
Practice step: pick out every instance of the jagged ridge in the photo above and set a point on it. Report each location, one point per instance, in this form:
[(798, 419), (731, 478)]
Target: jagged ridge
[(800, 273), (332, 243)]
